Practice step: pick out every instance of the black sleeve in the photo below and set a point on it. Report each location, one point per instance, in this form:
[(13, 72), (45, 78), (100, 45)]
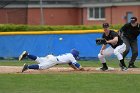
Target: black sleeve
[(103, 35), (114, 34), (124, 28)]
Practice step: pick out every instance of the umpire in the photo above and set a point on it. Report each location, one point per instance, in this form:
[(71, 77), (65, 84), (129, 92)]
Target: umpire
[(129, 33)]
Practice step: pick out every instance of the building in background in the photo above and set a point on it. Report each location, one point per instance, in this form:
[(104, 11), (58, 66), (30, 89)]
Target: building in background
[(68, 12)]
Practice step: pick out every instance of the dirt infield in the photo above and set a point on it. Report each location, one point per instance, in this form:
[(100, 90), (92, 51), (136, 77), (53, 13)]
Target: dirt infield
[(17, 69)]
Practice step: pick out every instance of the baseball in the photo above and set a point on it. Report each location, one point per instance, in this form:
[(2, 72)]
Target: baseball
[(60, 38)]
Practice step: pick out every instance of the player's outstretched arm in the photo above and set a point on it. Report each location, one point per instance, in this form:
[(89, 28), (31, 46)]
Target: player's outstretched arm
[(76, 66)]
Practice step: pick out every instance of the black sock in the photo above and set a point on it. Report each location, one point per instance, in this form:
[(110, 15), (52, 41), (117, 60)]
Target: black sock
[(105, 65), (122, 62)]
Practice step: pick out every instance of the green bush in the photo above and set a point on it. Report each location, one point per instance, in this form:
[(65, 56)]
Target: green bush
[(12, 27)]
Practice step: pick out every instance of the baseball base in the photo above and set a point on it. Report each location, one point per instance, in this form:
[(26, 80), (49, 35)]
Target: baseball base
[(109, 68)]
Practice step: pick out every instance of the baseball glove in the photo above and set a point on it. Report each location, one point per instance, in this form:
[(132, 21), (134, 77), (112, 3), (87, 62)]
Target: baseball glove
[(100, 41)]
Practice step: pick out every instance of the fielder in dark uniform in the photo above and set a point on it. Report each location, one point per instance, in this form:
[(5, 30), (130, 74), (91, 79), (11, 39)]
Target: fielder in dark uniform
[(129, 33), (117, 47)]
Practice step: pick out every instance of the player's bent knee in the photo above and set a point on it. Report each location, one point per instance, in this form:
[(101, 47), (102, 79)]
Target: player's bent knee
[(116, 52), (100, 56)]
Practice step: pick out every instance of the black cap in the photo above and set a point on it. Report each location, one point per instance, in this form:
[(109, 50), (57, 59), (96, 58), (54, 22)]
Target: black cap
[(105, 25), (133, 19)]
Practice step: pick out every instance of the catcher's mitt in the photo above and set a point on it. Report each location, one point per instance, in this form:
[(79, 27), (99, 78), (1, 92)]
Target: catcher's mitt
[(100, 41)]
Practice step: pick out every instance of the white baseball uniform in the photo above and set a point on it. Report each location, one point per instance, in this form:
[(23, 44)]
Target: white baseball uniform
[(51, 60)]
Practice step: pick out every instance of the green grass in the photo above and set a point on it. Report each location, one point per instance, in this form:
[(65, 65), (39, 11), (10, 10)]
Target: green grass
[(91, 63), (13, 27), (69, 82), (14, 62)]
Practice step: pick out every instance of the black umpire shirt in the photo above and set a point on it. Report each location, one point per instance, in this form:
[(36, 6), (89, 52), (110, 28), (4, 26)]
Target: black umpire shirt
[(112, 35), (130, 32)]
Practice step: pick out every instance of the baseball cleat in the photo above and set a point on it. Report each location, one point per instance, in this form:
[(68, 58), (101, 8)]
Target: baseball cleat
[(23, 55), (124, 68), (102, 68), (25, 67), (105, 69), (132, 66)]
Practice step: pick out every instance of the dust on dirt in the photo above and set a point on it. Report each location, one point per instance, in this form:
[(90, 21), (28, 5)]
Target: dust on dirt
[(17, 69)]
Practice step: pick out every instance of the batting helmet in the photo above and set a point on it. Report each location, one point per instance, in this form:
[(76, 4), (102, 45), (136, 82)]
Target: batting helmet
[(75, 53)]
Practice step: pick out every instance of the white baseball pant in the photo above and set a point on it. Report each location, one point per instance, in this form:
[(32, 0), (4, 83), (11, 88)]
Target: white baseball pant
[(109, 51), (46, 62)]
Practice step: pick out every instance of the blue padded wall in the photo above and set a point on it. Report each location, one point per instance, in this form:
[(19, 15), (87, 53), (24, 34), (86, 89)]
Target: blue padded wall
[(41, 45)]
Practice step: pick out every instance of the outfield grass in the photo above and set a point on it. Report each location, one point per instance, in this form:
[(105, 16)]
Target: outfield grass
[(91, 63), (69, 82)]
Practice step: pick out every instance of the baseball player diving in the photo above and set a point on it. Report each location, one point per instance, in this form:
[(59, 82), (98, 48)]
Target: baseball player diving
[(116, 47), (51, 60)]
